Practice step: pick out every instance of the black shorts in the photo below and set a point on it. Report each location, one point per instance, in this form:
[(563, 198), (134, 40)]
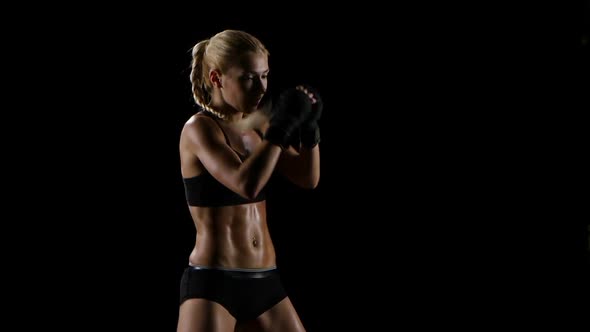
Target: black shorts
[(245, 294)]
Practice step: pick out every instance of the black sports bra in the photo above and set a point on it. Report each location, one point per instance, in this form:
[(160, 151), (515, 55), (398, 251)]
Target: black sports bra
[(205, 190)]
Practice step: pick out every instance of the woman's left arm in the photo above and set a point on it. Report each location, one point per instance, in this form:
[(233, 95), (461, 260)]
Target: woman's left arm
[(301, 167)]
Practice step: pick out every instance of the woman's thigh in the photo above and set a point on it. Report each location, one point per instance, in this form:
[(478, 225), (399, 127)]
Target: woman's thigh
[(197, 315)]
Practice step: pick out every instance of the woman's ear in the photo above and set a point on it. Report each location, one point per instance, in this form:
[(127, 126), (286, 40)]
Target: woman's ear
[(215, 77)]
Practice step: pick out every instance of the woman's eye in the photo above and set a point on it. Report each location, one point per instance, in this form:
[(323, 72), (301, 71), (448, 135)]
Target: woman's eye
[(252, 77)]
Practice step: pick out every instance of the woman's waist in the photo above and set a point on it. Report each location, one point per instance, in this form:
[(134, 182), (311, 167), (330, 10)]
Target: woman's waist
[(234, 257), (233, 273)]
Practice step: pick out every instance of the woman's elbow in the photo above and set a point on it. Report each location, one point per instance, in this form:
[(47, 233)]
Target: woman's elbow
[(315, 183), (311, 183)]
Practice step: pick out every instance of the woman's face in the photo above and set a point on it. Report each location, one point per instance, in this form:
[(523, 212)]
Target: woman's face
[(245, 82)]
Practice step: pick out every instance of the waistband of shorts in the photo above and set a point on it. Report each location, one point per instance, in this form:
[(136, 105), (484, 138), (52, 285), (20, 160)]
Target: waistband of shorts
[(237, 272)]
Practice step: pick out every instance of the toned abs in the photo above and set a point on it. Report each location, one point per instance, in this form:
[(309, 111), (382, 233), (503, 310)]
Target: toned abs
[(232, 237)]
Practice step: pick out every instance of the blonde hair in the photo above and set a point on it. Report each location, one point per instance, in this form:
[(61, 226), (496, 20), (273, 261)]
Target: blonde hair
[(218, 52)]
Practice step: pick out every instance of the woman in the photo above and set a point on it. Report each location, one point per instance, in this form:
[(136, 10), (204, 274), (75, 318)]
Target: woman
[(227, 158)]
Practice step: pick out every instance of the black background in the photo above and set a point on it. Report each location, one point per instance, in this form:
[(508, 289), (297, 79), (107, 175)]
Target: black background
[(450, 164)]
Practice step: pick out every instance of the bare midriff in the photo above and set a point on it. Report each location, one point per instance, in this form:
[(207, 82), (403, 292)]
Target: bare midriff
[(232, 237)]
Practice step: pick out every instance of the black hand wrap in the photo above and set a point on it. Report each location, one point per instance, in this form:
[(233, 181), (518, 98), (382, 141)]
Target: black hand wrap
[(292, 107), (310, 129)]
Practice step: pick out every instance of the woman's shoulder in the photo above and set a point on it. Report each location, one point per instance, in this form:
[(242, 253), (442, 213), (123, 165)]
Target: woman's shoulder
[(198, 119), (199, 123)]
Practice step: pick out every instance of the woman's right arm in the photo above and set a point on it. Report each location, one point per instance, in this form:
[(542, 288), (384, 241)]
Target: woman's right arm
[(246, 178)]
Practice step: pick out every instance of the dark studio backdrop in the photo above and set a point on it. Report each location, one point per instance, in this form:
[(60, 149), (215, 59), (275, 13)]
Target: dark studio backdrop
[(445, 159)]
